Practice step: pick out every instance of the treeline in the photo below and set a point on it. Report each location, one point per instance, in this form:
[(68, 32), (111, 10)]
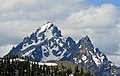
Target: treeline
[(15, 67)]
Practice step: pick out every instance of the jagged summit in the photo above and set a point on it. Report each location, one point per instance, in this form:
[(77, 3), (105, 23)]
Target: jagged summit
[(87, 39), (49, 27), (85, 42), (47, 43), (46, 26)]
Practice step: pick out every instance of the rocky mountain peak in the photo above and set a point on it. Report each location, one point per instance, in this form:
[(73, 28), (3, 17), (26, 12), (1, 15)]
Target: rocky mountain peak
[(47, 43), (85, 43)]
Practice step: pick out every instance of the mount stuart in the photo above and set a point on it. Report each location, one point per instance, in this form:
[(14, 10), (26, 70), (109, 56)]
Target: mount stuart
[(47, 43)]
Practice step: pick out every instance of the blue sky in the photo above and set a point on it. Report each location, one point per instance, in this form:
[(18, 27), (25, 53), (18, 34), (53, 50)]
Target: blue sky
[(99, 19), (99, 2)]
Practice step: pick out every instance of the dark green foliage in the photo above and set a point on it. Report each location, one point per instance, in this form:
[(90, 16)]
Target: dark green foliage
[(69, 71), (81, 72), (14, 67), (77, 72)]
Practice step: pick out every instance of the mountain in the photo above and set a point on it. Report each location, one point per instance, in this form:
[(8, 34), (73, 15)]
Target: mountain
[(47, 43)]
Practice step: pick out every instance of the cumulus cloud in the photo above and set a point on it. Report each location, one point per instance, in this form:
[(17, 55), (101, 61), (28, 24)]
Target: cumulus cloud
[(105, 16), (36, 9), (7, 5)]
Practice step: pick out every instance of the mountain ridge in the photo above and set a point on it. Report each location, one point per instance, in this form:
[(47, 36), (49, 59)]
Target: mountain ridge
[(47, 43)]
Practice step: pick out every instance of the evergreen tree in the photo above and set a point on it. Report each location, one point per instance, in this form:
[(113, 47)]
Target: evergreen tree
[(81, 72), (77, 73), (69, 71)]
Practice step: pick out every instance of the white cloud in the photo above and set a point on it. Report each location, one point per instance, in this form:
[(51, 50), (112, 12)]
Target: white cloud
[(5, 49), (36, 9), (95, 17), (12, 32), (7, 5)]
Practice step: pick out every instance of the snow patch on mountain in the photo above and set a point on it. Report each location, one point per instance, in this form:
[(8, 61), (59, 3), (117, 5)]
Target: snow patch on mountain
[(47, 43)]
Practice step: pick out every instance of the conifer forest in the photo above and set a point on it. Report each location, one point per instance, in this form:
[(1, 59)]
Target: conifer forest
[(14, 67)]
